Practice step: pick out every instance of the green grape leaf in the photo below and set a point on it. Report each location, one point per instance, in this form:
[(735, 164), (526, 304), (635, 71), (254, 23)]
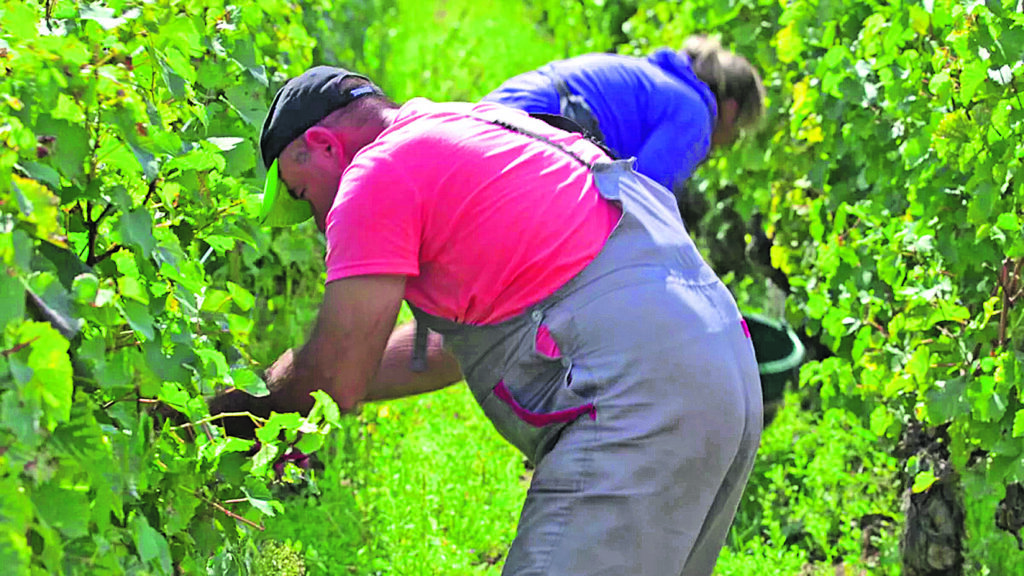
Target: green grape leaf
[(136, 228), (181, 512), (947, 401), (1018, 424), (919, 20), (987, 405), (249, 381), (947, 312), (310, 442), (923, 480), (973, 76), (12, 299), (979, 210), (139, 318), (278, 422), (117, 371), (175, 83), (150, 544), (1009, 222), (42, 367), (248, 103), (43, 173), (65, 509), (940, 11), (242, 297), (789, 43), (20, 20), (188, 274), (147, 160), (16, 510), (174, 396), (919, 363), (38, 205), (266, 456), (70, 147), (264, 505), (213, 362), (324, 407), (215, 300), (21, 419)]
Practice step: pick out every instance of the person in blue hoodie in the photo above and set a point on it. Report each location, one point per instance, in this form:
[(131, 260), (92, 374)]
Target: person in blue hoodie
[(668, 110)]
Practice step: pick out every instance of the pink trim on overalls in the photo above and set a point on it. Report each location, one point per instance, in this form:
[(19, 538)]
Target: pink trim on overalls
[(746, 330), (546, 344), (540, 420)]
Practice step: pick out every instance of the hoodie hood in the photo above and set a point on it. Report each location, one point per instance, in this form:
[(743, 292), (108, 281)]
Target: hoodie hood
[(677, 64)]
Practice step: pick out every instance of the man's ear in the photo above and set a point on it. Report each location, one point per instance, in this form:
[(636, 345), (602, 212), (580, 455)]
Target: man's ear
[(320, 140)]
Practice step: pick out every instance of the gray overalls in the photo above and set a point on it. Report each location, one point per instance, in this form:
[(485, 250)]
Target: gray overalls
[(635, 392)]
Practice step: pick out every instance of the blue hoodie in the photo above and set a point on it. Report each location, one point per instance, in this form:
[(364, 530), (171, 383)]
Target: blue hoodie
[(654, 109)]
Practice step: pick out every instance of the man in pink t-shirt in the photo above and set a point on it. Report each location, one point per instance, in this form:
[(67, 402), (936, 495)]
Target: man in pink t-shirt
[(435, 217), (561, 286)]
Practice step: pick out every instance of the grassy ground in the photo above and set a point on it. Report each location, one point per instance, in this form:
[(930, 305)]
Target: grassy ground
[(417, 486)]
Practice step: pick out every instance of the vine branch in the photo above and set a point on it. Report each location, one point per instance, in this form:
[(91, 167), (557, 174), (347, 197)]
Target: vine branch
[(229, 513), (222, 415), (21, 346), (1008, 282)]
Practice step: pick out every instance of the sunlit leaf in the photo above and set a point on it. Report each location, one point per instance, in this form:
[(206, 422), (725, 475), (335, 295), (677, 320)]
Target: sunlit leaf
[(249, 381), (38, 205), (45, 373), (923, 481)]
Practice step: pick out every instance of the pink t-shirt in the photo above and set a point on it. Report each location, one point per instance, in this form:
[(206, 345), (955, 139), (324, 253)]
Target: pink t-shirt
[(484, 221)]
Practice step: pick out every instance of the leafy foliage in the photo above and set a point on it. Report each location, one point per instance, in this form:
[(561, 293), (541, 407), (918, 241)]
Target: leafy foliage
[(125, 200), (889, 176)]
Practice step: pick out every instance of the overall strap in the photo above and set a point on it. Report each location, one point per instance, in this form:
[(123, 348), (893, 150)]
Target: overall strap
[(573, 106), (419, 346)]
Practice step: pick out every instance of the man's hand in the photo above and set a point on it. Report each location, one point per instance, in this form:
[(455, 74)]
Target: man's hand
[(234, 401), (281, 369)]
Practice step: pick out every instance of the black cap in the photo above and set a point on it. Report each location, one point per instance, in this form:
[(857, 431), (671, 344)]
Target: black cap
[(302, 102)]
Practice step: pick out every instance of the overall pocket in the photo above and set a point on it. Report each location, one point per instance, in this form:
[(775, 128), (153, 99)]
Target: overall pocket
[(534, 401), (532, 432)]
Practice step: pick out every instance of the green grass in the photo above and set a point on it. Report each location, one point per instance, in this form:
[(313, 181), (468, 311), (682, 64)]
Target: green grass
[(990, 551), (457, 50), (416, 486)]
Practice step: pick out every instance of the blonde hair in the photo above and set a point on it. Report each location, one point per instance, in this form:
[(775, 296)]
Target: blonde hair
[(729, 76)]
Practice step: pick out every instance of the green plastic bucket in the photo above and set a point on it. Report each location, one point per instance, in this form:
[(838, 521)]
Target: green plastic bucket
[(779, 354)]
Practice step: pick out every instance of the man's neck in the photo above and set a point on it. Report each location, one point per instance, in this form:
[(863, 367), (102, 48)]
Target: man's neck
[(356, 138)]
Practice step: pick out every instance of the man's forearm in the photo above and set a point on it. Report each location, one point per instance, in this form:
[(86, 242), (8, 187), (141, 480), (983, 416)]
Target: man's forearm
[(395, 378), (292, 378)]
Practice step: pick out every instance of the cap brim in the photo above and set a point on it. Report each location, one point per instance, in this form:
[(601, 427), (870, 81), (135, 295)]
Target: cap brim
[(278, 208)]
